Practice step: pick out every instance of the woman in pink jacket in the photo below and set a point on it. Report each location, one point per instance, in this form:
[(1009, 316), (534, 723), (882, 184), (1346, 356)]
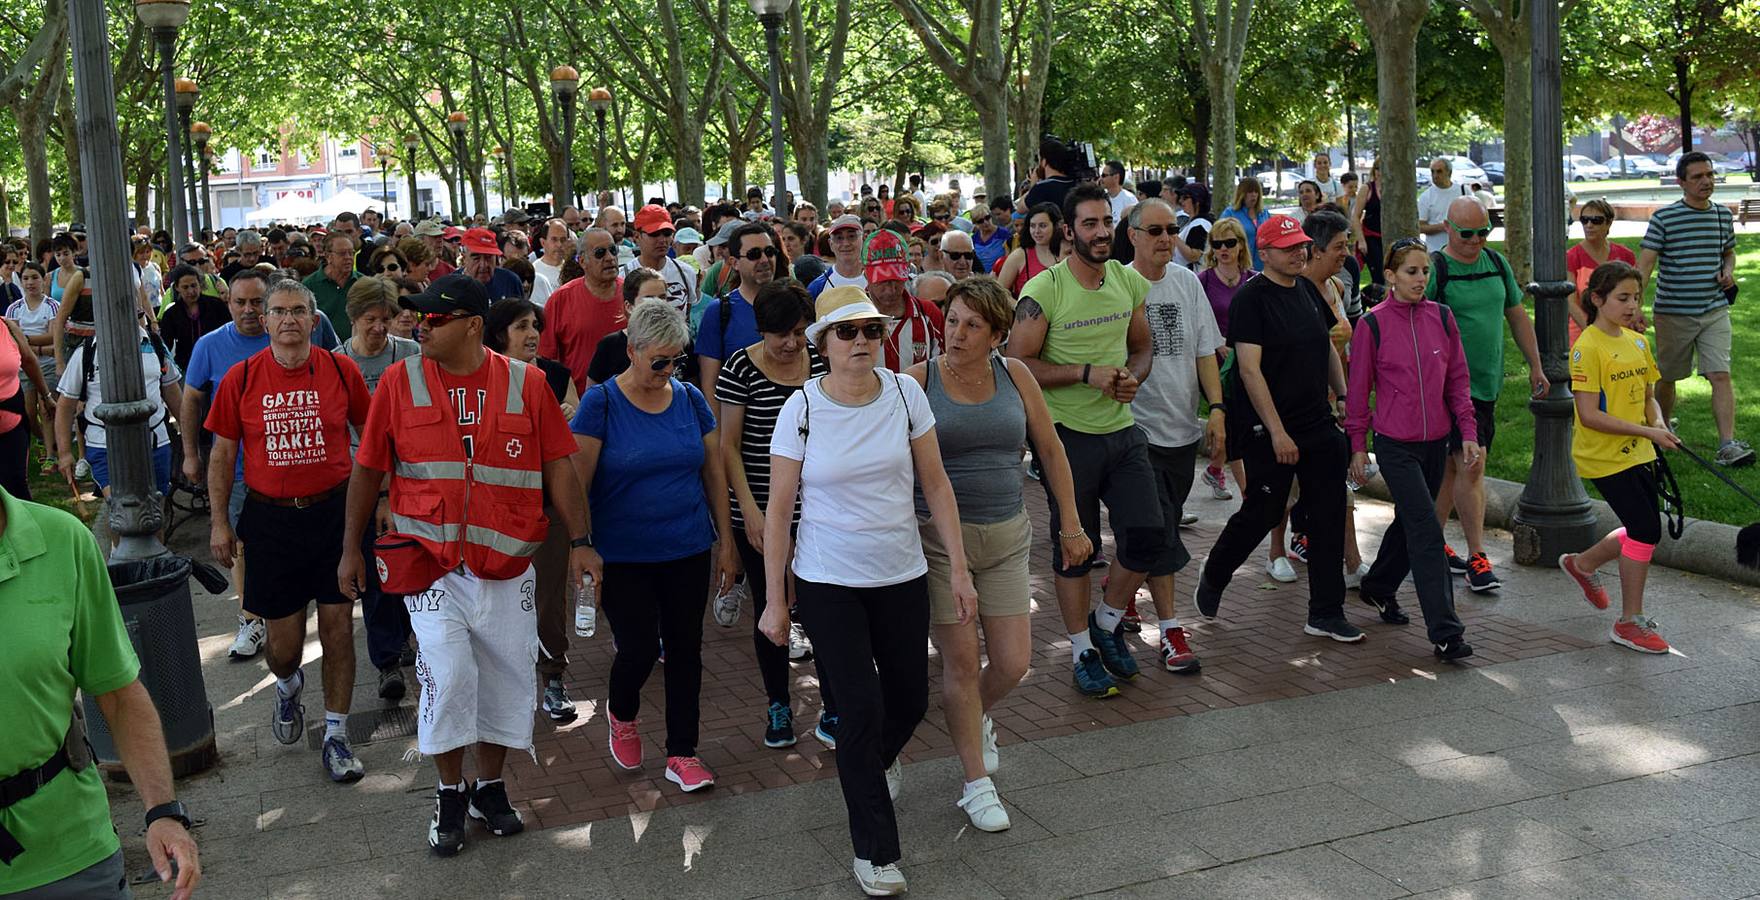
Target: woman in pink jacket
[(1407, 352)]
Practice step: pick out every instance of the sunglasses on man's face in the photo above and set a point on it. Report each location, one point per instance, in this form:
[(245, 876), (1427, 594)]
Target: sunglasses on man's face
[(873, 331), (599, 252), (435, 320), (959, 254), (1468, 234), (662, 363), (1156, 231), (1226, 243), (1592, 220), (757, 253)]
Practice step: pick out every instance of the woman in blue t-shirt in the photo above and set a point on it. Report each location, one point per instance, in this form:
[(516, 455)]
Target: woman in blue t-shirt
[(1248, 209), (655, 483)]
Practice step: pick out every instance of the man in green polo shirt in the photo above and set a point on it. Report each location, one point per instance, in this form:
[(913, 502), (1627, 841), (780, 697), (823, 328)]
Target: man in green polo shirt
[(331, 282), (1082, 329), (64, 631)]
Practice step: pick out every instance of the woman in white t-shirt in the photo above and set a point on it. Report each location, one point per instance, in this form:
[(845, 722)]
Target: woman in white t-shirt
[(852, 443)]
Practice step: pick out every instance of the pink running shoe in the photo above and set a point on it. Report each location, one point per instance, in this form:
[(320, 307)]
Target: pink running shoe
[(1589, 582), (689, 773), (626, 743)]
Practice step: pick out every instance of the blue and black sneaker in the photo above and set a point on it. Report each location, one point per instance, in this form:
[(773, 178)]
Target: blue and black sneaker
[(1091, 677), (779, 732), (826, 731), (340, 763), (1115, 653)]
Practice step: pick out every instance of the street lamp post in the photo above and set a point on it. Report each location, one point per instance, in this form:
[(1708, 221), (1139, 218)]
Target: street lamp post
[(600, 101), (769, 13), (1553, 515), (455, 123), (565, 83), (187, 95), (500, 154), (410, 143), (383, 151), (164, 18), (201, 133)]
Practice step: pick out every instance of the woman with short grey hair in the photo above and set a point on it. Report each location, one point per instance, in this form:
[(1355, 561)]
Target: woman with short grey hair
[(653, 473)]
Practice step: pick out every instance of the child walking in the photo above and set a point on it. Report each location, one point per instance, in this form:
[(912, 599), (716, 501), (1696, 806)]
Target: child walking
[(1619, 424), (1407, 352)]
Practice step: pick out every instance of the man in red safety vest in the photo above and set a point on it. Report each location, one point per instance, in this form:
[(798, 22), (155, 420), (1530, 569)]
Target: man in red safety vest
[(472, 441)]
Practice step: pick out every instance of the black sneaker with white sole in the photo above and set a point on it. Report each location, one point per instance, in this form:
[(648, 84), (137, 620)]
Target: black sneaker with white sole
[(1335, 627), (391, 685), (447, 830), (1387, 608), (489, 805), (1206, 598), (1452, 649)]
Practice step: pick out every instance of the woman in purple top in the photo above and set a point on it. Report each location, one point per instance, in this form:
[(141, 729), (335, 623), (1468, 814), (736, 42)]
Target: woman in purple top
[(1223, 274)]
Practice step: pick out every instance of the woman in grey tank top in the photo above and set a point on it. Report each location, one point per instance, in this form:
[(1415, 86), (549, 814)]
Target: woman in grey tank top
[(986, 408)]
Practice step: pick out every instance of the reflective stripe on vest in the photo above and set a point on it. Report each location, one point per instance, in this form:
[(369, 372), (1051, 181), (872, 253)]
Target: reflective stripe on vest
[(475, 534), (454, 471), (516, 385)]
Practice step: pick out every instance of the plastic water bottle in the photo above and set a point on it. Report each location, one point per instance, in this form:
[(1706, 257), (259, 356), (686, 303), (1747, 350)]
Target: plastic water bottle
[(586, 615), (1370, 470)]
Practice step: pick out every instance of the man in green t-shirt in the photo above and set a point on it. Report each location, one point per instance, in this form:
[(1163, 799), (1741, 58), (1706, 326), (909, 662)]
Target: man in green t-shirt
[(1477, 285), (1082, 329), (64, 631)]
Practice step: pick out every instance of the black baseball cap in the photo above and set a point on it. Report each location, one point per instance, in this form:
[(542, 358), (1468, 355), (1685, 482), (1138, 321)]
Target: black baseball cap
[(456, 292)]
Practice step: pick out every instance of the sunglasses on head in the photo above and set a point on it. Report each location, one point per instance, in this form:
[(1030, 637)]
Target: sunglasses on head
[(1226, 243), (757, 253), (1592, 220), (662, 363), (847, 331), (959, 254)]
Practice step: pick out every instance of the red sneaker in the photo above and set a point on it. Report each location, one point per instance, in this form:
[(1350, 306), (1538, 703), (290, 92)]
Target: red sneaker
[(1589, 582), (1640, 635), (1132, 621), (689, 773), (626, 743), (1176, 654)]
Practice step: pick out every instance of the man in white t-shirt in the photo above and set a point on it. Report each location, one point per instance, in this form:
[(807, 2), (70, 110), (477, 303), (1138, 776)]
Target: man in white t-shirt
[(1112, 179), (653, 241), (1433, 203), (1331, 190), (1185, 340), (554, 240), (846, 250), (81, 384)]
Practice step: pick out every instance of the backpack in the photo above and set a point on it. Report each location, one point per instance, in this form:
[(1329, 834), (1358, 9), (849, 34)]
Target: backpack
[(88, 364), (1439, 265), (807, 412), (1375, 327)]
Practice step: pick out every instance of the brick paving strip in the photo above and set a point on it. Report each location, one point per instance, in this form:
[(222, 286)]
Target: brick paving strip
[(1256, 653)]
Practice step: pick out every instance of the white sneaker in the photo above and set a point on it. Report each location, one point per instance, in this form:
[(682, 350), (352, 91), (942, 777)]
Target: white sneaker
[(727, 605), (894, 780), (249, 642), (992, 759), (1281, 570), (1354, 580), (799, 647), (879, 881), (82, 469), (983, 807)]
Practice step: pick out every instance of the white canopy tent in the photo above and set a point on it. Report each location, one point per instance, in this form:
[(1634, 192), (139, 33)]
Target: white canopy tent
[(291, 208), (348, 200)]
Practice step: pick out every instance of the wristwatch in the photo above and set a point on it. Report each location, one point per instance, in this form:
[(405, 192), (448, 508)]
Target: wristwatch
[(173, 810), (585, 540)]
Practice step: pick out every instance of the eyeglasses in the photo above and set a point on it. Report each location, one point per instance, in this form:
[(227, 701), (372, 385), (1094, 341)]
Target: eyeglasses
[(1226, 243), (288, 312), (1156, 231), (1592, 220), (757, 253), (847, 331), (959, 254), (662, 363), (1468, 234), (435, 320)]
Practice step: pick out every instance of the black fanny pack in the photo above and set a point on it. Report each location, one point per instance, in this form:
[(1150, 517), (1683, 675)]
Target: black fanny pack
[(74, 754)]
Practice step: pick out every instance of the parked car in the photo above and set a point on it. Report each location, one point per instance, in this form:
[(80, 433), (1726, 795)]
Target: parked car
[(1493, 173), (1578, 167), (1637, 165), (1465, 170), (1720, 164), (1279, 187)]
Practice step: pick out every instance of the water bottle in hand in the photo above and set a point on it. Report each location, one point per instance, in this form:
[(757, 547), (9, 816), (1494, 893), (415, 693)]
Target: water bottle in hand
[(1370, 470), (586, 615)]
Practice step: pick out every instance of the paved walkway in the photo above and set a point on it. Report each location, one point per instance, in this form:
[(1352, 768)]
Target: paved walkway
[(1556, 765)]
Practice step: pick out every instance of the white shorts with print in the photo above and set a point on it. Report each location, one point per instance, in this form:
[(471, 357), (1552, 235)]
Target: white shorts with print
[(479, 649)]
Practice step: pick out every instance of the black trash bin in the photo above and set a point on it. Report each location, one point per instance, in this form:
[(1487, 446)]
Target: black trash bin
[(155, 599)]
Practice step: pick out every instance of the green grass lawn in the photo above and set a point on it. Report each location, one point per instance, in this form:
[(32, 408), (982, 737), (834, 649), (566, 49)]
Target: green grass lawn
[(1705, 496), (51, 490), (1735, 183)]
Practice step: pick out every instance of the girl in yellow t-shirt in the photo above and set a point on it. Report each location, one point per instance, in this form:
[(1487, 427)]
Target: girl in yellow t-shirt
[(1619, 424)]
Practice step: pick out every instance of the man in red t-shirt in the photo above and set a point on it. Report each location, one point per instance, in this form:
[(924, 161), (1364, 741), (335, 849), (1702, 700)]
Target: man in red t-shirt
[(915, 330), (582, 312), (288, 408), (477, 633)]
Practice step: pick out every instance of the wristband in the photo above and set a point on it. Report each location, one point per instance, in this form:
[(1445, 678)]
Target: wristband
[(1072, 537), (384, 495), (1086, 368), (585, 540), (1219, 407)]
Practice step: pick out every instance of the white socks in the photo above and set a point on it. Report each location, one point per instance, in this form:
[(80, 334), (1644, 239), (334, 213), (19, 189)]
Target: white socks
[(290, 685), (1169, 623), (1080, 643), (1107, 617), (335, 725)]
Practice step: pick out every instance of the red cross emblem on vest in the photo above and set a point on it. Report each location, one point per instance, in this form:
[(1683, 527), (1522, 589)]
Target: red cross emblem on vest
[(513, 448)]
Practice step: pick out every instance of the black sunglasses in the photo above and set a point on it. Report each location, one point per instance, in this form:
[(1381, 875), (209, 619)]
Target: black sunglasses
[(959, 254), (1156, 231), (1226, 243), (873, 331), (599, 252), (757, 253), (1592, 220), (662, 363)]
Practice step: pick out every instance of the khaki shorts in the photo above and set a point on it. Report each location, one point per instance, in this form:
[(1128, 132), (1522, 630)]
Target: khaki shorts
[(1679, 339), (996, 555)]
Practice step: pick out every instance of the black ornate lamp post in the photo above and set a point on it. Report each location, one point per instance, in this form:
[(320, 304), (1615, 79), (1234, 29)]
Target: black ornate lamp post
[(500, 154), (769, 13), (1553, 515), (410, 143), (187, 94), (565, 83), (202, 133), (456, 123), (164, 18), (600, 101), (383, 152)]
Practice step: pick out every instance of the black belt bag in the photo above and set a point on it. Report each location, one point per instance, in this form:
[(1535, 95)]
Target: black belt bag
[(74, 754)]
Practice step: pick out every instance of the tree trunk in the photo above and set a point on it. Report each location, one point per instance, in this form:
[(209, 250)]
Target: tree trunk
[(36, 177), (1518, 159), (736, 172), (1201, 138), (143, 183), (1683, 95), (1223, 138), (993, 126), (687, 149), (1393, 27), (812, 158), (76, 185), (5, 208), (904, 154)]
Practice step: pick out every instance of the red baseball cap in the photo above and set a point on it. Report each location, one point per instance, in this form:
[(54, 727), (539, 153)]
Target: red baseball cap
[(652, 218), (885, 259), (452, 233), (1280, 232), (481, 240)]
